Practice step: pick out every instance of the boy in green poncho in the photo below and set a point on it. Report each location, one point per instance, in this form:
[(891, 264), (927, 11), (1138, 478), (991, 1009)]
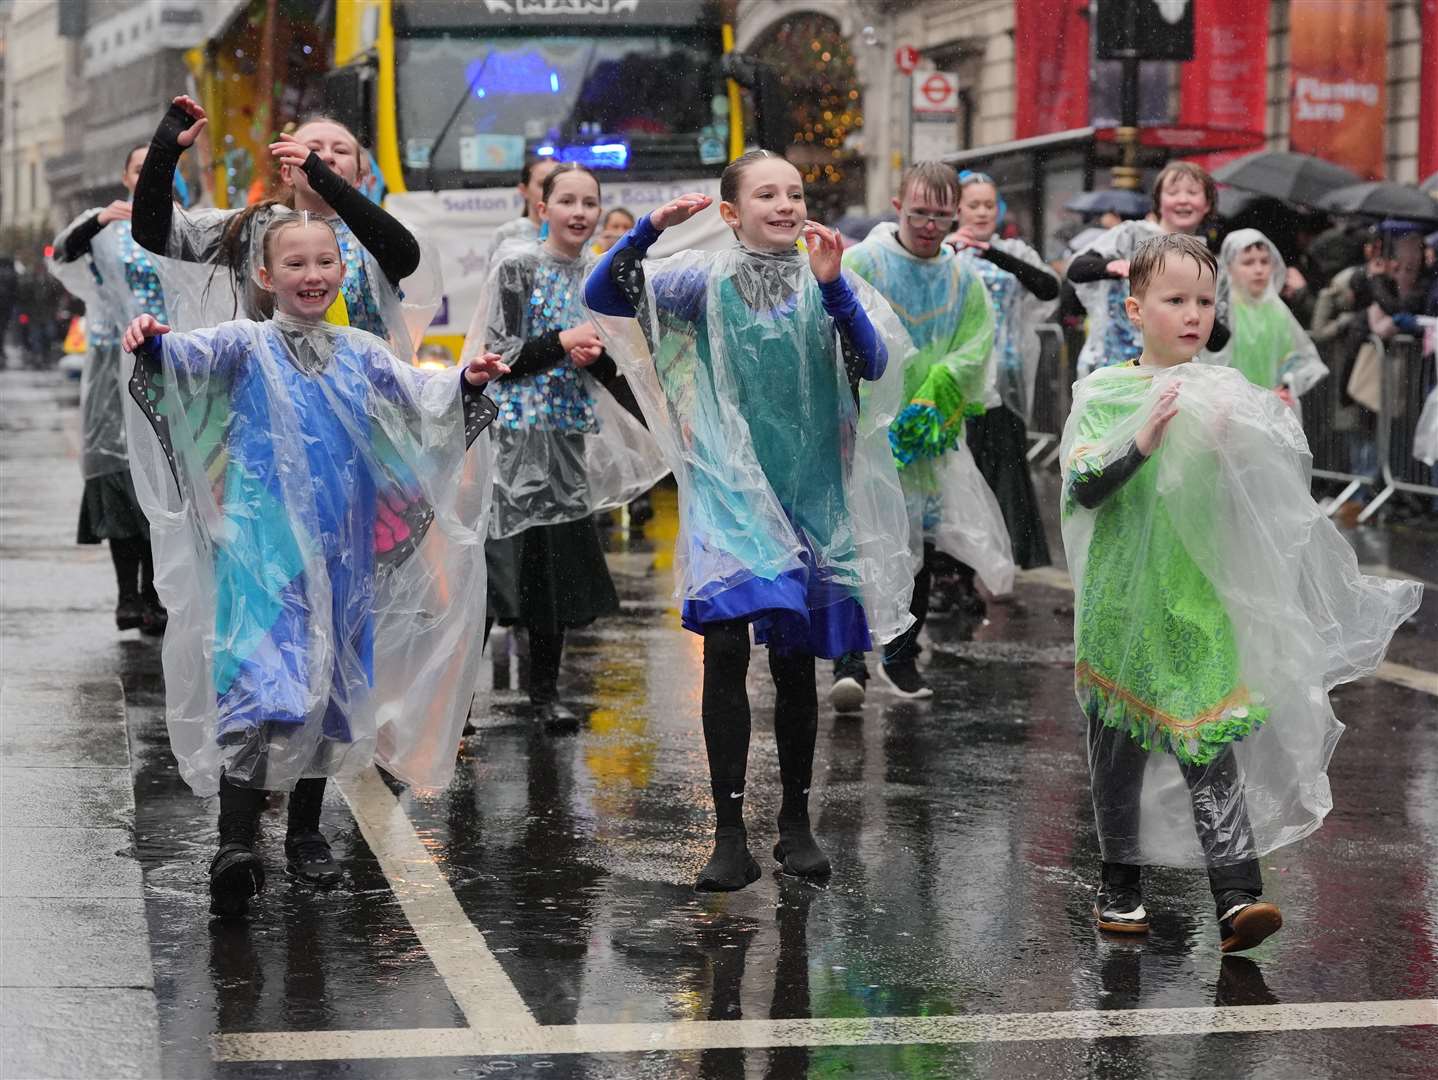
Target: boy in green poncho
[(945, 308), (1157, 664)]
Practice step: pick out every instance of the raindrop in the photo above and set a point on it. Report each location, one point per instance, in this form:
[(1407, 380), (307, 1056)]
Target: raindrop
[(869, 35)]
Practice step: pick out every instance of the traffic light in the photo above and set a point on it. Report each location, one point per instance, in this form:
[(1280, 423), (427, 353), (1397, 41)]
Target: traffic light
[(773, 127), (1144, 30)]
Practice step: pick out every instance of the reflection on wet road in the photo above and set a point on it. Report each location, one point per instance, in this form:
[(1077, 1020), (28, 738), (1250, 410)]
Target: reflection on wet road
[(537, 917)]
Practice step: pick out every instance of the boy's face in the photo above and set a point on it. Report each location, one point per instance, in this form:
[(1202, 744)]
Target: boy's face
[(1253, 270), (1175, 313), (925, 218)]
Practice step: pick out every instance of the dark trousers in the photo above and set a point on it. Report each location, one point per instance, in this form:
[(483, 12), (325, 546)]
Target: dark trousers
[(906, 645), (727, 725), (1220, 814)]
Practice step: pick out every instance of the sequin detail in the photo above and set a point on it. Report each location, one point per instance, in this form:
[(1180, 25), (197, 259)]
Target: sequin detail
[(554, 400), (363, 308), (141, 279)]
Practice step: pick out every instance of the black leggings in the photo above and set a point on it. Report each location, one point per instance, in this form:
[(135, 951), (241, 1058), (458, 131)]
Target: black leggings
[(134, 566), (727, 724)]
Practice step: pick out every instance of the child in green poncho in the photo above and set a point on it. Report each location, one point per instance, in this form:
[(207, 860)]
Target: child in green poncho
[(1157, 664), (1268, 345)]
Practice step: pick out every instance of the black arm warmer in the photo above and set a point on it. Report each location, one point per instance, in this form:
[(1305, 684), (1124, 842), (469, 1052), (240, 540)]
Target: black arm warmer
[(537, 355), (392, 245), (77, 244), (1090, 266), (154, 199), (1092, 488), (1040, 282)]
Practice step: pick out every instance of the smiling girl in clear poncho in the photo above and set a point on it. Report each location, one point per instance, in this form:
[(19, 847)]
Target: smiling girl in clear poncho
[(317, 528), (770, 380), (1216, 606)]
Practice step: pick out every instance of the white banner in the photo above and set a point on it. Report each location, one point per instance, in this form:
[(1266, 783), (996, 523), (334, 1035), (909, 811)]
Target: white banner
[(460, 223)]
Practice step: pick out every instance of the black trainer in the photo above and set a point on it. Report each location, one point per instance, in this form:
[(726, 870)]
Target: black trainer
[(1120, 910), (236, 874), (129, 613), (730, 867), (155, 618), (904, 679), (1244, 921), (308, 859), (851, 680), (555, 715), (799, 852)]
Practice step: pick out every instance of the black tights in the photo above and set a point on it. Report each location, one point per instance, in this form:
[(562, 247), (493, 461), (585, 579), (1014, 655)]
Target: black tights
[(240, 809), (727, 725), (134, 566)]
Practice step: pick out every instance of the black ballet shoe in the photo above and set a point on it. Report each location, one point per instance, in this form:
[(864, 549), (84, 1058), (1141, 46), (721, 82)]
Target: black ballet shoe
[(129, 613), (556, 716), (731, 866), (799, 852), (236, 874), (308, 859)]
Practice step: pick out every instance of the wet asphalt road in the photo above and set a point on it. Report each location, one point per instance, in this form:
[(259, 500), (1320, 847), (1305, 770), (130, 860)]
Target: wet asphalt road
[(960, 831)]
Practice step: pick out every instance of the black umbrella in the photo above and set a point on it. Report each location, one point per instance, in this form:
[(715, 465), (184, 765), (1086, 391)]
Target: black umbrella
[(1280, 174), (1126, 204), (1382, 199)]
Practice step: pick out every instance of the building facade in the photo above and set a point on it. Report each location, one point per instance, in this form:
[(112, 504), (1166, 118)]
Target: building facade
[(975, 40), (38, 66)]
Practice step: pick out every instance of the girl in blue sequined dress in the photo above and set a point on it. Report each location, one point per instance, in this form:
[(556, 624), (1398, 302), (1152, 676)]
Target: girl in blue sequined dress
[(566, 440)]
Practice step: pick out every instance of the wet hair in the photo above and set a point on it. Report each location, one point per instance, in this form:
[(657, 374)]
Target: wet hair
[(932, 178), (564, 168), (734, 172), (235, 228), (616, 210), (1190, 171), (290, 221), (1148, 261), (133, 151), (528, 171)]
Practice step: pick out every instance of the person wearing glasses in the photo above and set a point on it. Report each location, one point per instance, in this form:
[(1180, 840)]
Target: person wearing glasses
[(946, 311)]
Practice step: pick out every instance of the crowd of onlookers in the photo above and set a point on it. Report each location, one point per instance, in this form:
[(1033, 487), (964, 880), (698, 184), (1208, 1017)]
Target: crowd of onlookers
[(35, 313)]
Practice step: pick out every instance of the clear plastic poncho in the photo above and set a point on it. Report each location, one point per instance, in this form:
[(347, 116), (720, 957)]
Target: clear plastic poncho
[(787, 485), (318, 535), (205, 284), (1111, 339), (944, 307), (1018, 314), (564, 447), (1216, 607), (1425, 435), (1266, 343), (117, 281)]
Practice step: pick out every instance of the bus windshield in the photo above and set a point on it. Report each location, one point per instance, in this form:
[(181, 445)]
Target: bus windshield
[(649, 105)]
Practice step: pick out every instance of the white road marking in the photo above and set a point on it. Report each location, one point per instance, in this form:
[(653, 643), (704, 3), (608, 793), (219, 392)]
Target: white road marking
[(1425, 682), (860, 1031), (455, 946)]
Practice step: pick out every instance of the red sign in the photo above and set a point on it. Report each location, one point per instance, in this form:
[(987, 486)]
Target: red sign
[(937, 92), (1338, 86), (1225, 87), (1051, 66), (1191, 139), (907, 58)]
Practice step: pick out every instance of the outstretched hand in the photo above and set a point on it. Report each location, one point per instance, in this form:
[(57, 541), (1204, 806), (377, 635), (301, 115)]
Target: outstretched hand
[(484, 368), (826, 251), (144, 326), (287, 150), (677, 211), (197, 114), (119, 210), (1151, 434), (965, 238)]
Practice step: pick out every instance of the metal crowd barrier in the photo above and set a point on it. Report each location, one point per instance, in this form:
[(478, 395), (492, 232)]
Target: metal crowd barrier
[(1053, 389), (1400, 401), (1333, 431)]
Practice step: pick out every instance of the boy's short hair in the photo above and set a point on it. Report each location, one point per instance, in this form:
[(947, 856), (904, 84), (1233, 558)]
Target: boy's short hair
[(932, 178), (1152, 254)]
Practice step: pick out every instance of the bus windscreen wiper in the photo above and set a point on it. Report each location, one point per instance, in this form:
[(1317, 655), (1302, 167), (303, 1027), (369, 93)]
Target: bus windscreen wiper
[(453, 116)]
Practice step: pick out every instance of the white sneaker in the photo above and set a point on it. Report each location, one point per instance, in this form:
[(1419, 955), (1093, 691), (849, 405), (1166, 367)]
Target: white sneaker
[(847, 695)]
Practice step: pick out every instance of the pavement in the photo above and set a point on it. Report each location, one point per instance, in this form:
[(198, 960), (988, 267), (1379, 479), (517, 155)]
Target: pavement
[(537, 918)]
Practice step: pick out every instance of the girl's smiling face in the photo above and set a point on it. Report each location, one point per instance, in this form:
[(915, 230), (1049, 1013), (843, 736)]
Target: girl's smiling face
[(303, 269), (572, 211), (769, 213)]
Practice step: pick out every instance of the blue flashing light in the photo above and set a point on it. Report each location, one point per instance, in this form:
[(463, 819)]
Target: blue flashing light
[(479, 93), (544, 151), (553, 82), (613, 155)]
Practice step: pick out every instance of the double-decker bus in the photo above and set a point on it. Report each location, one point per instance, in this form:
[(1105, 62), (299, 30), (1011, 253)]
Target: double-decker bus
[(454, 95)]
